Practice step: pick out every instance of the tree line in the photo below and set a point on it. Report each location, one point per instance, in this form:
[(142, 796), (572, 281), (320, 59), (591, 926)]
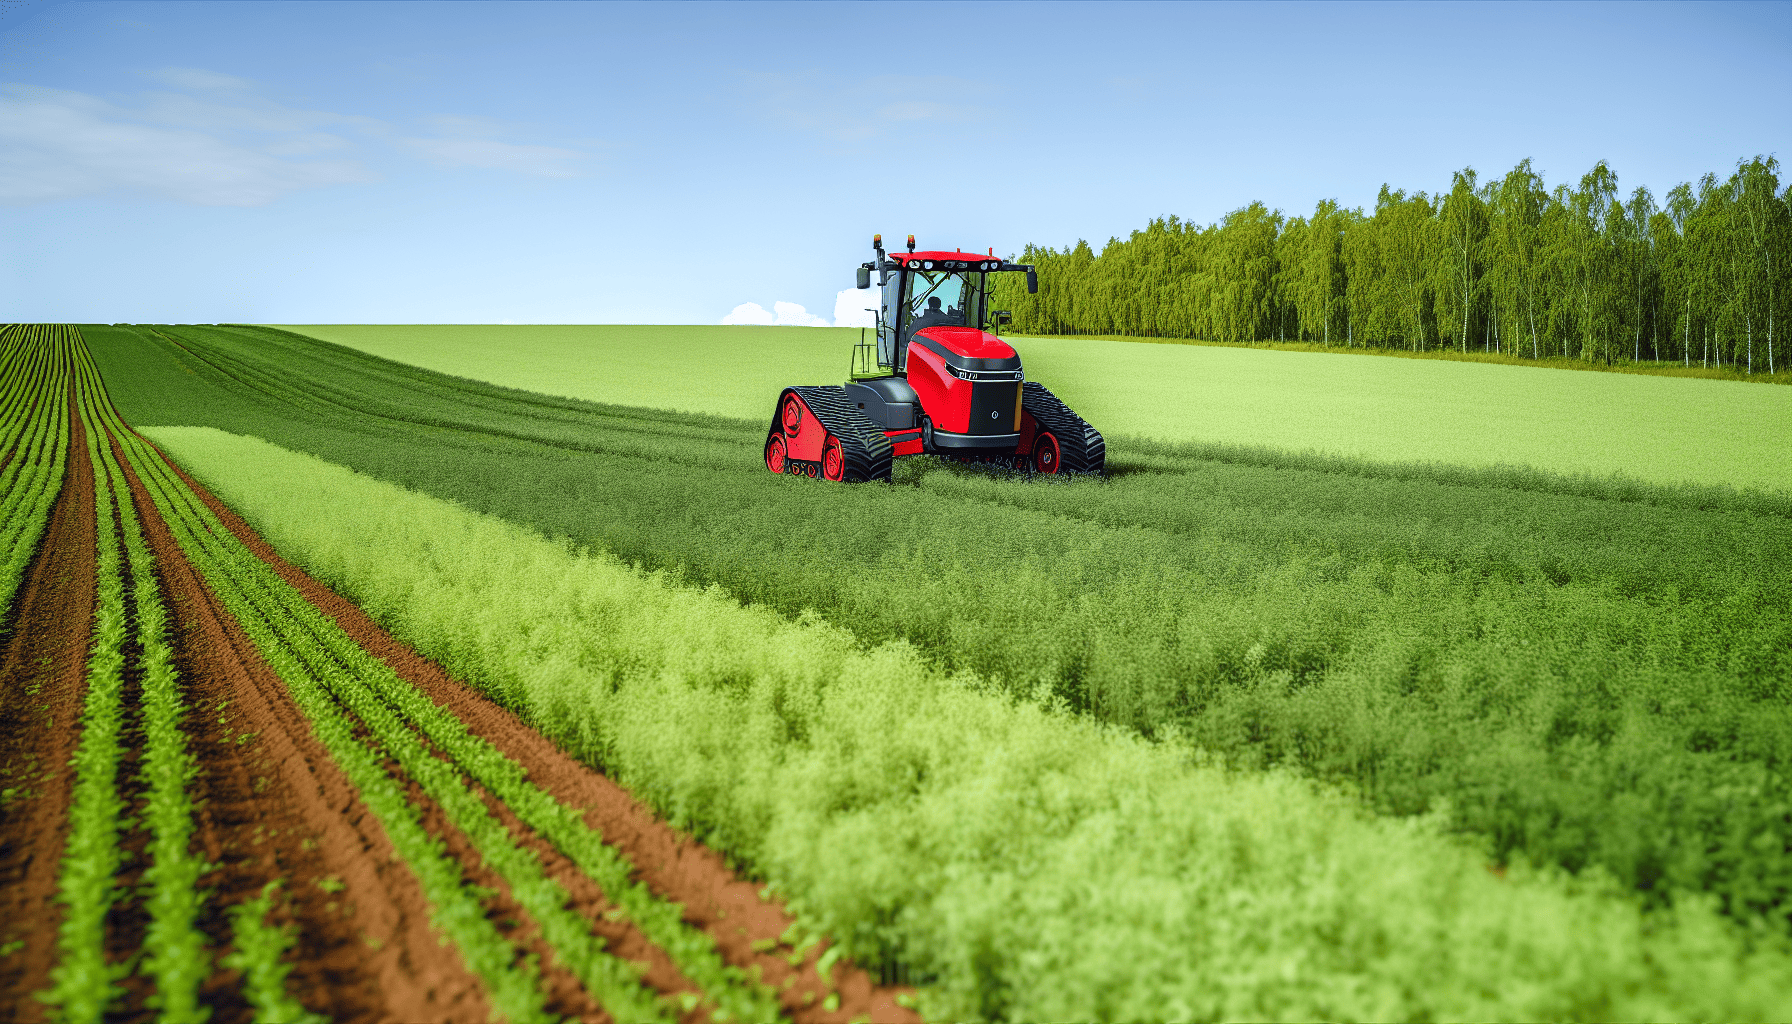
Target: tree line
[(1507, 265)]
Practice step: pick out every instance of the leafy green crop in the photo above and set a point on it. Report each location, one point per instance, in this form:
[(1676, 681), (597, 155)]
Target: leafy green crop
[(374, 692), (1578, 671), (259, 947), (513, 987), (1028, 863), (175, 950), (333, 663), (83, 983), (34, 377)]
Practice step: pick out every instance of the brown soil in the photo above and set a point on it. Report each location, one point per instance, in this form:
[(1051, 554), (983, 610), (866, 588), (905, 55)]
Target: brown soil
[(127, 920), (672, 864), (273, 805), (620, 938), (43, 672), (565, 996)]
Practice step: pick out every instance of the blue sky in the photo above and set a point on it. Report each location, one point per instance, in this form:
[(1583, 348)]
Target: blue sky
[(664, 163)]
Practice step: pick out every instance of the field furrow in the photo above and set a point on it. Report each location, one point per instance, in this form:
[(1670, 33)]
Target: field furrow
[(613, 834), (43, 673), (329, 660), (281, 809), (270, 821)]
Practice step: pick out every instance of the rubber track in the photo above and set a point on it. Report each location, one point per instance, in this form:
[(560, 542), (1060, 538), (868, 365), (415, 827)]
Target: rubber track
[(869, 454), (1080, 445)]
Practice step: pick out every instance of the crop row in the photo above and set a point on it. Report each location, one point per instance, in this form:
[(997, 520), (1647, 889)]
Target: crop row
[(84, 981), (129, 617), (175, 954), (33, 440), (1022, 861), (1586, 673), (341, 689)]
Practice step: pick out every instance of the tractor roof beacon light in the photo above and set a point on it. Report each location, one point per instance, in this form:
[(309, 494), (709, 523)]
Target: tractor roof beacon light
[(883, 265), (911, 243)]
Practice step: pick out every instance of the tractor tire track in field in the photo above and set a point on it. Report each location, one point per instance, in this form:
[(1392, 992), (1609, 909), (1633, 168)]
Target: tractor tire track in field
[(275, 806), (745, 928), (43, 680)]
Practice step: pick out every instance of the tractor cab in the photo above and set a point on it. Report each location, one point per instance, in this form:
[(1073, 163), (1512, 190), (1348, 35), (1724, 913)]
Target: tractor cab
[(935, 369), (934, 380), (924, 290)]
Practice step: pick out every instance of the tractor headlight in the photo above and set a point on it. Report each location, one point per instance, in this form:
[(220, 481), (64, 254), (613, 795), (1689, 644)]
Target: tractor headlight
[(928, 265)]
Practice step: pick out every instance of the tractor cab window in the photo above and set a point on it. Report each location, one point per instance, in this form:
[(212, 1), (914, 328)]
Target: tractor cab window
[(931, 298), (937, 299)]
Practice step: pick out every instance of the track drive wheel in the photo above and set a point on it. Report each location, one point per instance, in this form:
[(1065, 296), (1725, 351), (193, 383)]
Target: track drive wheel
[(833, 460), (774, 454), (791, 417), (1047, 457)]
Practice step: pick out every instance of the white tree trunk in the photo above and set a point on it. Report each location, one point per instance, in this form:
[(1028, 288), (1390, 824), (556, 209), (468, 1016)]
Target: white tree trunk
[(1531, 311)]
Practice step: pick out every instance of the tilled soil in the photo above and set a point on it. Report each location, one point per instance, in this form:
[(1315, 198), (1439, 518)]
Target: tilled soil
[(43, 680), (274, 806), (673, 865)]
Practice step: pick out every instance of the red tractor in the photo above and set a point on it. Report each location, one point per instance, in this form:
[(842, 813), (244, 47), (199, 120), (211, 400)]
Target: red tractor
[(935, 382)]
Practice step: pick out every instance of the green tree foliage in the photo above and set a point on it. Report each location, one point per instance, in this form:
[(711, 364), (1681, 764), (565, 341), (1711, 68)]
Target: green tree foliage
[(1581, 272)]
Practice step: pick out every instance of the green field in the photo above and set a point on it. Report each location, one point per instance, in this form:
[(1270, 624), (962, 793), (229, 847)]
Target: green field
[(1587, 676), (1658, 429), (1026, 864)]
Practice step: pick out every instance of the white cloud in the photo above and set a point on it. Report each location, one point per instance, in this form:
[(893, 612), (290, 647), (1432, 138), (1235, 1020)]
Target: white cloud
[(782, 314), (851, 308), (56, 144), (243, 113), (541, 161), (792, 315), (209, 139), (198, 78), (750, 313)]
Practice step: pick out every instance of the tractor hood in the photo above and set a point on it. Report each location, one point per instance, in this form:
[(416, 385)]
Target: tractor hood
[(968, 348)]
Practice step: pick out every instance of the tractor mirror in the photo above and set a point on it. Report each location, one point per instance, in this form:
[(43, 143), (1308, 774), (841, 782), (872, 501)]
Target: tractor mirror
[(864, 277), (1003, 317), (1032, 281)]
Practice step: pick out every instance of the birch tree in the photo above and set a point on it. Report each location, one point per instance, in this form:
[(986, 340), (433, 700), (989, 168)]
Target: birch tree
[(1463, 226), (1515, 223)]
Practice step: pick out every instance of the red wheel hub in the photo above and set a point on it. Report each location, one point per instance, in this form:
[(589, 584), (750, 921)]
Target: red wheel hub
[(774, 455), (792, 416), (833, 460), (1045, 454)]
